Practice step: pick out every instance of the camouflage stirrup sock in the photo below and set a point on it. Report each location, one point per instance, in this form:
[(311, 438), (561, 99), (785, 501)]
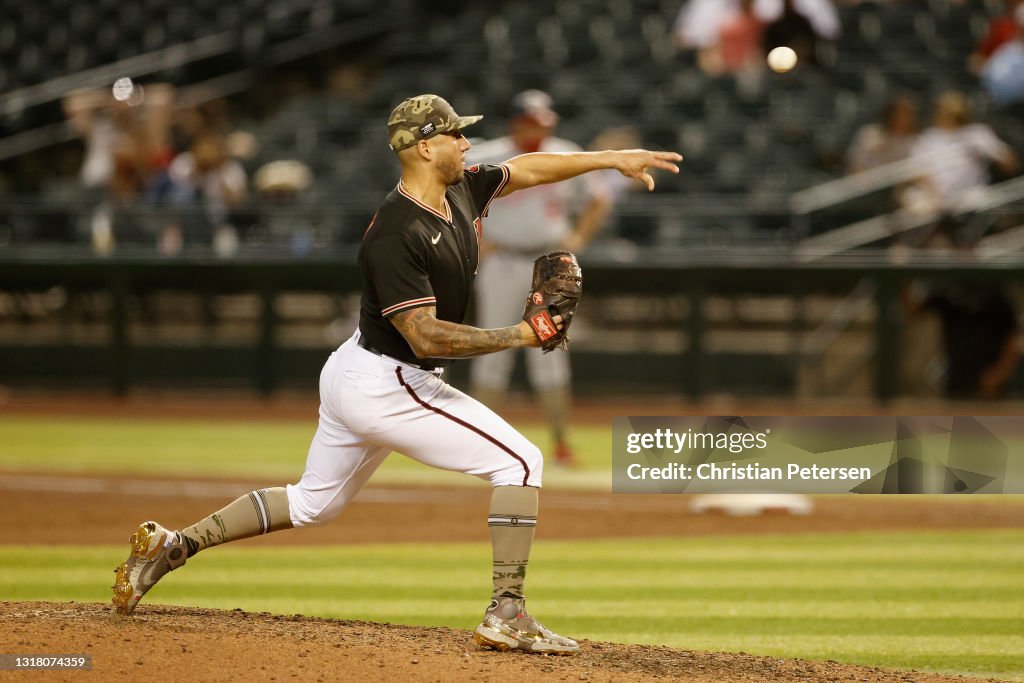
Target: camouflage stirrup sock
[(255, 513), (512, 520)]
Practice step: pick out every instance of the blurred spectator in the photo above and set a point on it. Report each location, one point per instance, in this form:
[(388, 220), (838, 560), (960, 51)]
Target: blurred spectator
[(890, 140), (282, 180), (1003, 74), (699, 22), (980, 334), (280, 185), (1001, 29), (101, 122), (121, 138), (947, 185), (194, 120), (517, 230), (799, 24), (738, 45), (352, 80), (822, 14), (206, 178), (127, 145), (242, 146), (725, 27)]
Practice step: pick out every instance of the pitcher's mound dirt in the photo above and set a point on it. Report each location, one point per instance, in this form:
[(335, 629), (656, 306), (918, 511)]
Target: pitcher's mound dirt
[(161, 643)]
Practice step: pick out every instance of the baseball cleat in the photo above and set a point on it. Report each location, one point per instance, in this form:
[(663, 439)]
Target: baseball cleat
[(508, 626), (155, 551)]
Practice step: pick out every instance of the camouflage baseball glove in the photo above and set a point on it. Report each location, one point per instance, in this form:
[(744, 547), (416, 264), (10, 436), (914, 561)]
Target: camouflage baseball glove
[(556, 289)]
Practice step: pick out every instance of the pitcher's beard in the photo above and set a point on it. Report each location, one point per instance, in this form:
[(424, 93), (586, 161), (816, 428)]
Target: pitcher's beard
[(451, 172)]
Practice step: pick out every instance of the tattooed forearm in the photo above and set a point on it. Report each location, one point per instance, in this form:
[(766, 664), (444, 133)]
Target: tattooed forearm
[(432, 338)]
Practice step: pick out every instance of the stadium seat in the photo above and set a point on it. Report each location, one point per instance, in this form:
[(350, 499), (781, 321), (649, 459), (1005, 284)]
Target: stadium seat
[(606, 62)]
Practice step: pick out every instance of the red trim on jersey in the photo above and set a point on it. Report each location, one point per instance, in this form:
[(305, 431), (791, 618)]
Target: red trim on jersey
[(501, 186), (478, 227), (431, 209), (476, 430), (372, 221), (411, 303)]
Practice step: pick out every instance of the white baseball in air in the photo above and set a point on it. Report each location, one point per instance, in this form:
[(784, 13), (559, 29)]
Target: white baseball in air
[(782, 59), (123, 88)]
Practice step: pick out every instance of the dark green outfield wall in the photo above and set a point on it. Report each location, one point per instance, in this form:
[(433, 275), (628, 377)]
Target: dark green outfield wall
[(265, 365)]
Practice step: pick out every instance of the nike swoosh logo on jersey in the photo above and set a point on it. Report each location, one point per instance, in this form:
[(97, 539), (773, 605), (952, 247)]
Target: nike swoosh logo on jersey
[(435, 240)]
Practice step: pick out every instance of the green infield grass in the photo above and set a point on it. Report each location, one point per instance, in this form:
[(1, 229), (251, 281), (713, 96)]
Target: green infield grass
[(951, 602)]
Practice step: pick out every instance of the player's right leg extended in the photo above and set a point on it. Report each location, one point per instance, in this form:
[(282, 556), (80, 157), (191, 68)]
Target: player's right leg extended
[(155, 551), (337, 466)]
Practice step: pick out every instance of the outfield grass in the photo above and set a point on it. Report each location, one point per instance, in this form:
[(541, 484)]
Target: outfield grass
[(950, 602), (236, 448), (271, 450)]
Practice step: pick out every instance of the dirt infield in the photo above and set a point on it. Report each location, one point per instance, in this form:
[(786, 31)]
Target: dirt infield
[(61, 509), (212, 645)]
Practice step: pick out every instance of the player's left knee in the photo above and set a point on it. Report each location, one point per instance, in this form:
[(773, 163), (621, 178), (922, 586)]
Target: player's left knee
[(526, 468), (536, 465)]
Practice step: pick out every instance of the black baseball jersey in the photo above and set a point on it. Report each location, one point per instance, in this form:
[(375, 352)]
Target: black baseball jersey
[(413, 256)]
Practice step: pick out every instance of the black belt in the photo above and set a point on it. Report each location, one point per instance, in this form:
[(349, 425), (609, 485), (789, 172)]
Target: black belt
[(364, 343)]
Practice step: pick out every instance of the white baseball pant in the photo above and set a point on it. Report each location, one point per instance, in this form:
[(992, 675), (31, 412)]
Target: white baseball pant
[(371, 405)]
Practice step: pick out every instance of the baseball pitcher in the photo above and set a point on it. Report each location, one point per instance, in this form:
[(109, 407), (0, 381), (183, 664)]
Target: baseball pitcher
[(383, 390)]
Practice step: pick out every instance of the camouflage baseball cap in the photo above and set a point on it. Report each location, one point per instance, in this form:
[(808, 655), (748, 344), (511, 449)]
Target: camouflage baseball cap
[(422, 117)]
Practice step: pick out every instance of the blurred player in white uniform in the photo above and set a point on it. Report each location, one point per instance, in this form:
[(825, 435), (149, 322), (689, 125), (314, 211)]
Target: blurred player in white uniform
[(517, 231)]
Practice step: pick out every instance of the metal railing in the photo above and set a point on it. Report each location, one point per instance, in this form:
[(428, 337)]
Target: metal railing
[(166, 58), (189, 96), (679, 224), (855, 185), (103, 76), (1002, 244), (886, 225)]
